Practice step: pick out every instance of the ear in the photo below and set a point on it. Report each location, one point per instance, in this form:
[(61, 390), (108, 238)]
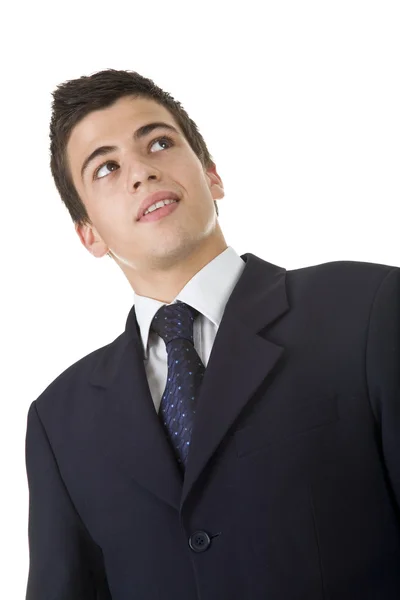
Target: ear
[(216, 185), (91, 239)]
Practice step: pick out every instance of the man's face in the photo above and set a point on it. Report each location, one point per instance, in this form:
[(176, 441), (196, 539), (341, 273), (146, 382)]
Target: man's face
[(115, 182)]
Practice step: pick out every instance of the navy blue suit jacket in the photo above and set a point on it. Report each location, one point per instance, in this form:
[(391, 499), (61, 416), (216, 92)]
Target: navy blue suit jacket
[(292, 488)]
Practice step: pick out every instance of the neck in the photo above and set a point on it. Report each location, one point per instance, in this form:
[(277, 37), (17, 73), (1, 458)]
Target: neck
[(163, 279)]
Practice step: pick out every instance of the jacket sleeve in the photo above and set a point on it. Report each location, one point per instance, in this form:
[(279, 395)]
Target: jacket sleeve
[(58, 541), (383, 373)]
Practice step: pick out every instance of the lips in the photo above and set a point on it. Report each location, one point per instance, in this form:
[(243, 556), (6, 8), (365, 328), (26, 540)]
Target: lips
[(153, 198), (160, 213)]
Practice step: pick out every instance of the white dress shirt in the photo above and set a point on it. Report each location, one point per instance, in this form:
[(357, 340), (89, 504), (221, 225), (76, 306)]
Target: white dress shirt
[(208, 291)]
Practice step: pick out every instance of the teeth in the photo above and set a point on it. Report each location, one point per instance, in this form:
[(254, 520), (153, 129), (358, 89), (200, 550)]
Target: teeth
[(158, 205)]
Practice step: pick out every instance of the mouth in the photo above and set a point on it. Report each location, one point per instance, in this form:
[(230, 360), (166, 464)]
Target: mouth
[(159, 213)]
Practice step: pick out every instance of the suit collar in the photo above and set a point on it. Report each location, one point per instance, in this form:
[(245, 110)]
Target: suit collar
[(258, 298), (207, 291)]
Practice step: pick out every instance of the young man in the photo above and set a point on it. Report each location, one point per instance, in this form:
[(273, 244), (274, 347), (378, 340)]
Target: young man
[(240, 440)]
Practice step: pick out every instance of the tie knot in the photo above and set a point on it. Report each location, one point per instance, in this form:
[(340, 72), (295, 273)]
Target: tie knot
[(174, 321)]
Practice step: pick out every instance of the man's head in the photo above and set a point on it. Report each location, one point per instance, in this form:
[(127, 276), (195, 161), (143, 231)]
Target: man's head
[(103, 116)]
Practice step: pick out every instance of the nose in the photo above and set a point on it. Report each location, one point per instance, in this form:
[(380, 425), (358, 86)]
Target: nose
[(137, 183), (141, 172)]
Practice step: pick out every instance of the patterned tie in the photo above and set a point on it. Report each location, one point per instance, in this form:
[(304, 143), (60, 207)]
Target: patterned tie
[(174, 324)]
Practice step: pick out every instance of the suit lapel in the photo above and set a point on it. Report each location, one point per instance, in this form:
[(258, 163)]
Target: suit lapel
[(128, 428), (240, 359)]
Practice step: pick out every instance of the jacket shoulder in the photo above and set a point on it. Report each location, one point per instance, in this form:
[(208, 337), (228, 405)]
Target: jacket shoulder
[(347, 266), (343, 272), (76, 375), (338, 287)]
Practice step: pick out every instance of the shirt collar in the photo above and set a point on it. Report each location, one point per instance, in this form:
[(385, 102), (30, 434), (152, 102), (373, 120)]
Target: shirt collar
[(208, 291)]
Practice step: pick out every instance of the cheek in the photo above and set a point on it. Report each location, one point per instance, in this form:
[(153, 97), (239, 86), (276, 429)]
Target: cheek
[(112, 205), (197, 180), (109, 221), (187, 170)]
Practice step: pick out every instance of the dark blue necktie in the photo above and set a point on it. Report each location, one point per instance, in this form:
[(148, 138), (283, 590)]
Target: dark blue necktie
[(174, 324)]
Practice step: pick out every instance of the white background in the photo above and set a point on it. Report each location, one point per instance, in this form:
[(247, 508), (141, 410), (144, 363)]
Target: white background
[(299, 105)]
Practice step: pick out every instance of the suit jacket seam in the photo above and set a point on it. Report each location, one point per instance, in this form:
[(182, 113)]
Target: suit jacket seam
[(367, 340)]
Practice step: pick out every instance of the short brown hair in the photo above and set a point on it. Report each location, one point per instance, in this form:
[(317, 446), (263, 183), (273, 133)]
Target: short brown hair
[(75, 99)]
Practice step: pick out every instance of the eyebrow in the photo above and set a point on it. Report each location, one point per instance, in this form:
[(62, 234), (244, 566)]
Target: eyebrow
[(140, 133)]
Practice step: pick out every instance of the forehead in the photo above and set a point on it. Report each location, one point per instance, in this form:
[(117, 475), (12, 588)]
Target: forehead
[(112, 124)]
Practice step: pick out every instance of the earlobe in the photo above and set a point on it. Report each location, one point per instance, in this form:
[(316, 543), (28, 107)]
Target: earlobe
[(217, 191), (91, 240), (217, 187)]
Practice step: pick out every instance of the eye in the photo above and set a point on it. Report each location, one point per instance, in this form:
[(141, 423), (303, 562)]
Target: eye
[(101, 168), (164, 139)]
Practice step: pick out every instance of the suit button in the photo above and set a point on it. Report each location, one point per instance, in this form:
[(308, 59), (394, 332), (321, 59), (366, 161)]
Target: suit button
[(199, 541)]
